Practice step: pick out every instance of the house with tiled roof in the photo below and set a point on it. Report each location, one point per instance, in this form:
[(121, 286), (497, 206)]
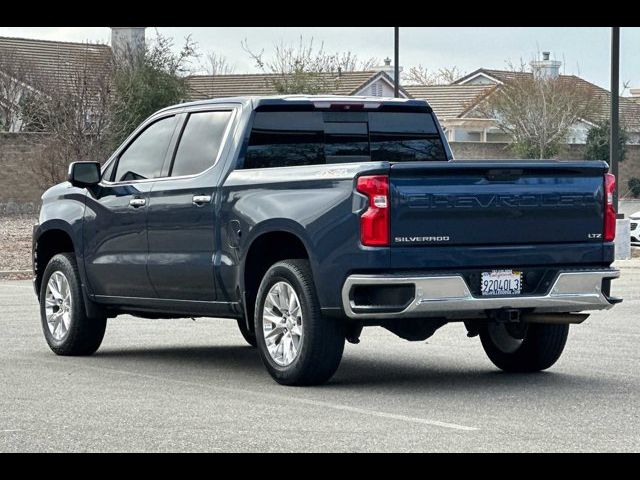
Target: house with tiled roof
[(453, 105), (458, 105), (377, 82), (30, 65)]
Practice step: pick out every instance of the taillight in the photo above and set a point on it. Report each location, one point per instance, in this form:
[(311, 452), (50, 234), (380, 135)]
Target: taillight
[(374, 222), (609, 211)]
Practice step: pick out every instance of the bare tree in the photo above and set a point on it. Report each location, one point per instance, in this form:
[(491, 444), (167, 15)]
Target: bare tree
[(350, 62), (83, 103), (305, 68), (15, 81), (73, 107), (448, 75), (423, 76), (215, 64), (538, 112)]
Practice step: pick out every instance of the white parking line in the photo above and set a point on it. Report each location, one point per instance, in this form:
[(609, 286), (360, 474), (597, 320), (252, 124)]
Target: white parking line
[(285, 398)]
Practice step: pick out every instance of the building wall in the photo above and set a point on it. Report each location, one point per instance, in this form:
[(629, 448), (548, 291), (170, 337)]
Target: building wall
[(629, 168), (379, 88), (18, 191), (577, 134)]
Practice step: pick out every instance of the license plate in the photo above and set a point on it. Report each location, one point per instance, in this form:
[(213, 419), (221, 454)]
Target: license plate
[(501, 282)]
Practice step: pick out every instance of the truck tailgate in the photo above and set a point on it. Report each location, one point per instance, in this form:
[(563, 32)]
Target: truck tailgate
[(496, 202)]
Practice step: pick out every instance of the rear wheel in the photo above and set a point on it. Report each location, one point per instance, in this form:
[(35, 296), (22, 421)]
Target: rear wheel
[(297, 344), (523, 347), (66, 326)]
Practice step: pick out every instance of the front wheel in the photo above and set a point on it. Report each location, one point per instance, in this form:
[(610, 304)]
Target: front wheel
[(247, 334), (66, 326), (297, 344), (523, 347)]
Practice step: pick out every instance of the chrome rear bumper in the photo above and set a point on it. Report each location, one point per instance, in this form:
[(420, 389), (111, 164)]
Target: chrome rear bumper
[(448, 295)]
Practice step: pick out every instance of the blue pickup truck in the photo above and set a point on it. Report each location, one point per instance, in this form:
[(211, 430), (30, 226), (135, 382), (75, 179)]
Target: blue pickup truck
[(307, 218)]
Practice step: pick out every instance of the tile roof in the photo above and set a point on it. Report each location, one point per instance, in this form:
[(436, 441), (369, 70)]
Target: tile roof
[(236, 85), (58, 63), (449, 101)]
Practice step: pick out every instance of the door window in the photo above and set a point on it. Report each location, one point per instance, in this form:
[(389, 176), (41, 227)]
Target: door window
[(144, 157), (200, 142)]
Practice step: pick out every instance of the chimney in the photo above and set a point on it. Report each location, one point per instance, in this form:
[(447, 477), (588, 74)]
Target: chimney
[(127, 43), (387, 68), (545, 68)]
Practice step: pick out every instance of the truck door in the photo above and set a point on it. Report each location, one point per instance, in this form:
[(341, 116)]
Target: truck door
[(115, 223), (182, 221)]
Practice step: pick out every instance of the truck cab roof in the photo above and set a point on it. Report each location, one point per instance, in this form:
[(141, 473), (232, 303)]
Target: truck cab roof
[(313, 101)]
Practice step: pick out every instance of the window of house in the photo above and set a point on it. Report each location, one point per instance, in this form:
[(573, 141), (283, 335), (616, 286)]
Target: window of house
[(376, 90), (200, 142), (473, 137), (144, 157)]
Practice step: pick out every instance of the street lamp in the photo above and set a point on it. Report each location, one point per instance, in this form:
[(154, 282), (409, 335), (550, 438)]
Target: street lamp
[(614, 139), (396, 64)]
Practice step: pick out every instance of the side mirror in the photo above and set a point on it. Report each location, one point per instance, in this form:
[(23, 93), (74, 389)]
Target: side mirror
[(84, 174)]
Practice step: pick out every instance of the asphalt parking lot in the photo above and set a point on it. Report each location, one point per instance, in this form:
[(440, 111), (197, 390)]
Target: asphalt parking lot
[(180, 385)]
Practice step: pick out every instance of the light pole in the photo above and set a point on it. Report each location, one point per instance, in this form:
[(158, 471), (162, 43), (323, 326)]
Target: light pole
[(396, 63), (614, 139)]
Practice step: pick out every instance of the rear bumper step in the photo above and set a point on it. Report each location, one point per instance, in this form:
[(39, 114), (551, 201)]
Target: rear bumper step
[(448, 295)]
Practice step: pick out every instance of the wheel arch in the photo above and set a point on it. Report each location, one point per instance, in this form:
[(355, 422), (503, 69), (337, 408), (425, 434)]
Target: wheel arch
[(267, 247), (50, 239)]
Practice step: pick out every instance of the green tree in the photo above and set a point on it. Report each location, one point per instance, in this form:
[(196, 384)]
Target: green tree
[(143, 85), (597, 144)]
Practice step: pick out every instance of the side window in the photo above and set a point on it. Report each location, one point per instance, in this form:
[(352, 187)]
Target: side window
[(144, 157), (200, 142), (106, 175), (284, 139)]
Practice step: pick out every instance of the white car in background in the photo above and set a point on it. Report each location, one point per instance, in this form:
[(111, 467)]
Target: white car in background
[(635, 226)]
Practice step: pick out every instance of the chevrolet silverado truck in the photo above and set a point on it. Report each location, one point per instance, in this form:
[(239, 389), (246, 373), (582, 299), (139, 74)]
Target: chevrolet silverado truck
[(307, 218)]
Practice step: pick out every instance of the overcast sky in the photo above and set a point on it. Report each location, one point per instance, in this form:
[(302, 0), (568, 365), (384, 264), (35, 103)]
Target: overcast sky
[(584, 50)]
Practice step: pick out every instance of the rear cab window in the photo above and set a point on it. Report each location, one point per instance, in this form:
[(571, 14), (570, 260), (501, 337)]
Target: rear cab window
[(294, 138)]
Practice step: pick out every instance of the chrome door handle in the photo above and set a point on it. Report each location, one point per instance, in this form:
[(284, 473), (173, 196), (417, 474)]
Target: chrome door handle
[(200, 200), (137, 202)]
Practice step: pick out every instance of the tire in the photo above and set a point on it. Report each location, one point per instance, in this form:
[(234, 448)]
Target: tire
[(527, 347), (76, 334), (320, 340), (248, 335)]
